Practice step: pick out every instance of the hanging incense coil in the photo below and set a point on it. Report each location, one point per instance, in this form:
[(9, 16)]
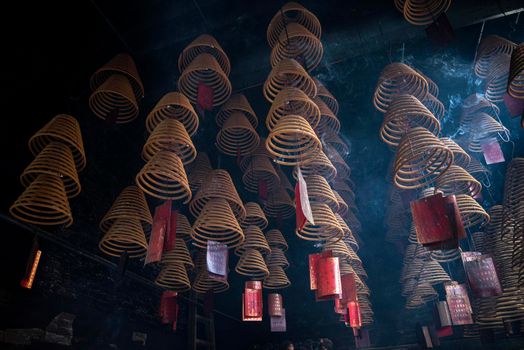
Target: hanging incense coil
[(199, 170), (404, 113), (236, 103), (395, 79), (295, 41), (423, 293), (460, 157), (432, 86), (122, 64), (261, 151), (216, 222), (326, 96), (65, 129), (343, 170), (329, 122), (326, 226), (343, 207), (337, 247), (284, 181), (174, 277), (471, 212), (205, 43), (115, 100), (260, 170), (251, 263), (179, 255), (434, 106), (218, 184), (170, 135), (489, 48), (344, 190), (43, 202), (359, 269), (173, 105), (497, 79), (420, 160), (204, 69), (484, 127), (254, 239), (279, 204), (472, 106), (237, 136), (130, 203), (422, 13), (293, 141), (291, 100), (56, 159), (277, 278), (456, 180), (478, 171), (203, 282), (320, 192), (254, 216), (288, 73), (446, 256), (126, 235), (320, 165), (183, 227), (334, 141), (276, 240), (433, 273), (277, 258), (292, 12), (353, 222), (516, 73)]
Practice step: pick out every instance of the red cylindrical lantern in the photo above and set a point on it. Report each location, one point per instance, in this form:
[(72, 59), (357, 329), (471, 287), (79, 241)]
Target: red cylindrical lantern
[(328, 279), (274, 305)]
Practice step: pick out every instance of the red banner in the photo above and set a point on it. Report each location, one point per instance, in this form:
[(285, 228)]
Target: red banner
[(170, 239), (169, 308), (328, 279), (161, 224)]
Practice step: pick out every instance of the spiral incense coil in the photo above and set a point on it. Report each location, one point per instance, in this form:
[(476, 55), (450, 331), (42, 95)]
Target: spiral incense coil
[(458, 181), (218, 184), (422, 12), (338, 248), (115, 100), (126, 235), (420, 160), (471, 212), (203, 282), (412, 238), (293, 141), (326, 225), (291, 100), (329, 122), (483, 127), (56, 159), (130, 203), (432, 86), (478, 170), (277, 278), (173, 105), (204, 69), (446, 256), (170, 135), (359, 269), (326, 96), (320, 192), (276, 240), (292, 12), (216, 222), (237, 136), (179, 255), (434, 106), (65, 129), (260, 170), (490, 47), (472, 106), (43, 202), (277, 258), (334, 141), (205, 43), (344, 190), (251, 263), (164, 177), (395, 79), (121, 64), (516, 73), (353, 222), (288, 73), (497, 79), (343, 170), (350, 240), (236, 103), (199, 170), (343, 207), (404, 113), (422, 294), (460, 157), (254, 239), (183, 227), (433, 273), (513, 188), (320, 164), (174, 277), (279, 204), (254, 216)]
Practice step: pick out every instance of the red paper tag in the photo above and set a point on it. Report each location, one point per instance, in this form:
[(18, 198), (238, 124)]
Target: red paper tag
[(217, 259), (445, 332), (313, 260), (205, 97), (340, 307), (169, 307), (459, 304), (492, 151), (274, 304), (355, 318), (303, 207), (514, 105), (328, 278), (349, 287), (170, 240), (482, 276), (278, 324), (252, 304), (161, 224)]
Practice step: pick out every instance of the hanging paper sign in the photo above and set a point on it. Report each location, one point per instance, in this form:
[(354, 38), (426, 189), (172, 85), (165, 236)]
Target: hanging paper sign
[(328, 278), (458, 303), (252, 304), (514, 105), (169, 307), (362, 339), (205, 97), (482, 277), (274, 304), (216, 260), (278, 324), (355, 317), (161, 224), (349, 288), (170, 240), (303, 207), (313, 261), (444, 316), (492, 151)]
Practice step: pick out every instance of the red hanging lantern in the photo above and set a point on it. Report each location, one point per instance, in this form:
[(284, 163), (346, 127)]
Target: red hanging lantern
[(274, 304), (328, 279)]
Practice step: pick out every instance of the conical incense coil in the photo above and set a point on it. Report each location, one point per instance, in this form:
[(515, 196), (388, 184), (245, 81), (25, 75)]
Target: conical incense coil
[(434, 106), (44, 202), (65, 129), (237, 136), (420, 160), (516, 73), (204, 69), (56, 159), (458, 181), (218, 184), (338, 248), (329, 122), (199, 170), (126, 235), (489, 48), (460, 157), (422, 294), (260, 170), (236, 103), (277, 278), (276, 239), (404, 113), (326, 96), (216, 222), (422, 12), (395, 79), (344, 190), (359, 269), (254, 239), (472, 106), (115, 100), (170, 135), (254, 216), (205, 43), (482, 128), (279, 204), (174, 277), (326, 225), (122, 64), (203, 283), (320, 164), (478, 171), (432, 86), (295, 41), (343, 207), (173, 105), (291, 100), (288, 73), (292, 12), (293, 141), (130, 204), (433, 273), (179, 255), (343, 170), (333, 139), (261, 151), (353, 222), (183, 227), (471, 212), (497, 79), (277, 258), (513, 189), (320, 192), (251, 263), (446, 256), (164, 177)]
